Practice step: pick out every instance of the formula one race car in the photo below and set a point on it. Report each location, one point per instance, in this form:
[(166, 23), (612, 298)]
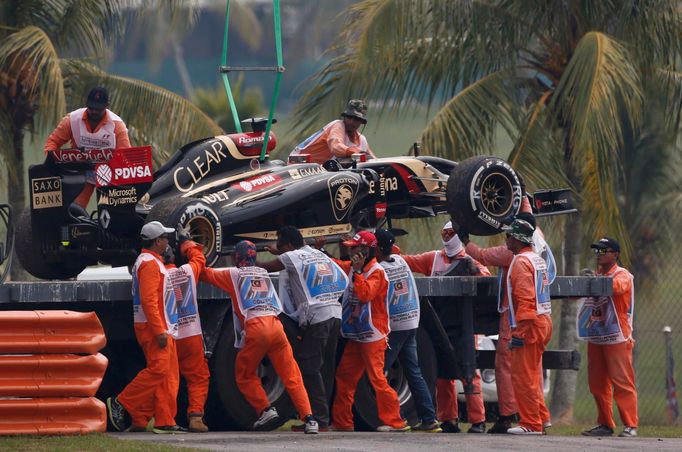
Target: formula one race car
[(222, 191)]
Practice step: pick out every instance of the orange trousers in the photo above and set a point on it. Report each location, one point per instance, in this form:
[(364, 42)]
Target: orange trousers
[(446, 401), (611, 375), (526, 362), (194, 369), (265, 336), (503, 376), (154, 391), (360, 357)]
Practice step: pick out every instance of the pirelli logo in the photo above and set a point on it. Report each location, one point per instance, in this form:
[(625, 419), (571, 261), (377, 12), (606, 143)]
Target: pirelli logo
[(46, 192)]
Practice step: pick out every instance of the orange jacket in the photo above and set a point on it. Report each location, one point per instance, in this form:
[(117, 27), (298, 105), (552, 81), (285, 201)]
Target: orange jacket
[(333, 141), (150, 281), (62, 134), (195, 255), (622, 297), (423, 263), (220, 277), (371, 290)]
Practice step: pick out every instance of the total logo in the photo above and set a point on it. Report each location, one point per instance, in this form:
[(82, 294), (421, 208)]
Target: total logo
[(134, 172), (257, 183)]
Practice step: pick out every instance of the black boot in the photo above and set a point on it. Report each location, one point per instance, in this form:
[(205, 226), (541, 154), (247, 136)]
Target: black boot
[(502, 424)]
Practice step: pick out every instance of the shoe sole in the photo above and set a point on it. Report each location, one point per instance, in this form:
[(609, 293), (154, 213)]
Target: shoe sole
[(606, 435), (168, 432), (111, 419)]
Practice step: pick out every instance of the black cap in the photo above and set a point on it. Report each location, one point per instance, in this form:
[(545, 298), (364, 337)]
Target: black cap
[(98, 98), (385, 239), (606, 243)]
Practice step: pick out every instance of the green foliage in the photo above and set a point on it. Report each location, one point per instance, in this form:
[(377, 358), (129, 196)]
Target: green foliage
[(214, 103)]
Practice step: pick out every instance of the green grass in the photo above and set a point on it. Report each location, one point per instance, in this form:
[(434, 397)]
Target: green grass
[(647, 431), (91, 442)]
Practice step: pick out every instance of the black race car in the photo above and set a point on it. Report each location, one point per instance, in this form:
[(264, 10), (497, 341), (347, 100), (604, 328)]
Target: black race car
[(220, 189)]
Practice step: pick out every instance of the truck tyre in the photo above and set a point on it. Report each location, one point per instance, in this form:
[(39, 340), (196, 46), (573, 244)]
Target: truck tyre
[(204, 223), (482, 192), (365, 406), (240, 414), (30, 248)]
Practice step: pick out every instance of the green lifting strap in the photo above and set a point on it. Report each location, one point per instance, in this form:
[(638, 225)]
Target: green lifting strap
[(279, 69)]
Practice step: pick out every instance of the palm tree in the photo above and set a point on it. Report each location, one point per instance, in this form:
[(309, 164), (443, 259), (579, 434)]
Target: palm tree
[(560, 78), (47, 55)]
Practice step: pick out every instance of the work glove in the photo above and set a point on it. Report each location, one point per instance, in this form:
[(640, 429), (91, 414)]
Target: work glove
[(516, 342), (463, 235), (183, 234), (168, 256)]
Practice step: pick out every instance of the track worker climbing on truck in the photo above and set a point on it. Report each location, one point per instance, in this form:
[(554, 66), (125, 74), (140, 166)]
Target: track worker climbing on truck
[(452, 259), (91, 127), (364, 322), (339, 139), (501, 257), (190, 342), (259, 332), (606, 324), (530, 319), (153, 392), (403, 311), (310, 286)]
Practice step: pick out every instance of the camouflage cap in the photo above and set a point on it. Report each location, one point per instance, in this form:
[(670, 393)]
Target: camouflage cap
[(356, 108), (521, 230)]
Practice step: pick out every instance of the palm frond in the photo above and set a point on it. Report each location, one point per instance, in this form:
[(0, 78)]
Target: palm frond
[(465, 125), (31, 63), (599, 88), (159, 116)]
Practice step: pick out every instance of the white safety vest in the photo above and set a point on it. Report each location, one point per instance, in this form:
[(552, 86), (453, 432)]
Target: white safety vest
[(256, 297), (440, 267), (356, 317), (104, 138), (185, 286), (169, 300), (541, 282), (597, 320), (314, 281), (402, 296)]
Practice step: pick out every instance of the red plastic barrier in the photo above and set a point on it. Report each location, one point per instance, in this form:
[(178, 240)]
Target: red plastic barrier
[(51, 375), (52, 416), (50, 332)]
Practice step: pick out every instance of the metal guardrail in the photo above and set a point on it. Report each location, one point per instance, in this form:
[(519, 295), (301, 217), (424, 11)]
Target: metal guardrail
[(437, 286)]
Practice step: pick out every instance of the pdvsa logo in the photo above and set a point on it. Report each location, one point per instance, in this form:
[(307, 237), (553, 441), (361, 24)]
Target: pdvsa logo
[(133, 172), (257, 183)]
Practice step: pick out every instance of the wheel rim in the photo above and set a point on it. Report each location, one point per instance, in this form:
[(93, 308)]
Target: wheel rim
[(496, 194), (202, 231)]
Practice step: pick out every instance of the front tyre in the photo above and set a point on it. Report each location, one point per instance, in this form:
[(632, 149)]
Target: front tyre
[(482, 192)]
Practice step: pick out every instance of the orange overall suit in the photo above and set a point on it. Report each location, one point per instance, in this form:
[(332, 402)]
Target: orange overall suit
[(610, 371), (532, 326), (429, 264), (262, 335), (153, 392), (190, 343), (365, 352)]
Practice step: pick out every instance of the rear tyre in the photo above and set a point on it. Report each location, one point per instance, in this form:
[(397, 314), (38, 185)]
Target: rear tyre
[(236, 408), (30, 246), (365, 406), (482, 192), (203, 222)]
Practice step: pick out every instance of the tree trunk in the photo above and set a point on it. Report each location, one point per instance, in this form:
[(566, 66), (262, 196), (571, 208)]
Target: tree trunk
[(563, 392), (16, 191)]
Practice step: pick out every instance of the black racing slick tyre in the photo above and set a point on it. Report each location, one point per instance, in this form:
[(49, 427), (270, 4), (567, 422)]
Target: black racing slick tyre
[(234, 405), (203, 222), (30, 246), (482, 192), (365, 405)]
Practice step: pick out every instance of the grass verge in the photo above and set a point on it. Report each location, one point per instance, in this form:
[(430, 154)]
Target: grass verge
[(91, 442)]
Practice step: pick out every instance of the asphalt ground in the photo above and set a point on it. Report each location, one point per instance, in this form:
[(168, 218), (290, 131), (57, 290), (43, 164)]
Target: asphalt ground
[(397, 442)]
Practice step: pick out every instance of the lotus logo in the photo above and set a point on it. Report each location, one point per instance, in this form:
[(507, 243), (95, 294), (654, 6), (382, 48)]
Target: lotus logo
[(343, 197)]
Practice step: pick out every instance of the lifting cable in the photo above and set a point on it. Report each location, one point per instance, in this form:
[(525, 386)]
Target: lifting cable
[(224, 69)]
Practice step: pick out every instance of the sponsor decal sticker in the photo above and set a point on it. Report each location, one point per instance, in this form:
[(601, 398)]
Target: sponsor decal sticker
[(104, 218), (218, 196), (117, 196), (46, 192), (257, 183), (315, 231), (186, 176), (103, 174), (75, 155), (342, 192), (299, 173)]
